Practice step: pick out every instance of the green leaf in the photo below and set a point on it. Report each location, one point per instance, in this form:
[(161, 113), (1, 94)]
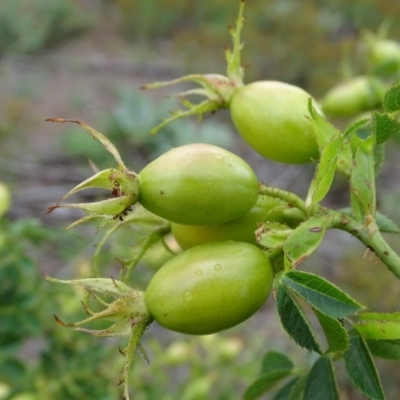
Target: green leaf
[(388, 349), (302, 241), (379, 329), (284, 392), (295, 322), (361, 369), (336, 335), (264, 383), (325, 133), (323, 130), (320, 294), (325, 171), (391, 100), (395, 316), (384, 127), (297, 391), (321, 383), (272, 234), (12, 370), (277, 260), (362, 181), (345, 158), (379, 157), (275, 366), (274, 360)]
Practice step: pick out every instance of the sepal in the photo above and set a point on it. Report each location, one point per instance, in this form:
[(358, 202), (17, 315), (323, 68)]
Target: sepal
[(122, 183), (128, 312)]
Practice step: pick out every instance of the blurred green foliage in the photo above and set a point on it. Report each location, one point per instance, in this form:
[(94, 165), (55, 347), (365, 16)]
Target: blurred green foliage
[(299, 42), (296, 41), (34, 352), (31, 26)]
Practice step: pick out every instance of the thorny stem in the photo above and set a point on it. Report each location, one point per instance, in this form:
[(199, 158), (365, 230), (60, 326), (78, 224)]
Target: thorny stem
[(234, 67), (371, 237), (129, 353), (217, 89), (367, 233)]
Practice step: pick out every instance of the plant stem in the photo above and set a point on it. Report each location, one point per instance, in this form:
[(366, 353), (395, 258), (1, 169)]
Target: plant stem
[(371, 237), (288, 197), (234, 67), (367, 233), (134, 342)]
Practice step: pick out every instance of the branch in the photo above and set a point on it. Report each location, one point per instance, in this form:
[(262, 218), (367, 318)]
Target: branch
[(371, 237)]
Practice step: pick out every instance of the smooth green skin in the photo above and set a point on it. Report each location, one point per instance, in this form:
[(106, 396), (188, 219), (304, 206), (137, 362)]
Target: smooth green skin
[(198, 184), (5, 199), (241, 229), (353, 96), (210, 287), (272, 118), (385, 54)]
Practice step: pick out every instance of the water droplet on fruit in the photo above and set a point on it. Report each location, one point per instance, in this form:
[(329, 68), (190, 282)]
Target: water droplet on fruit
[(188, 295), (218, 267), (199, 272)]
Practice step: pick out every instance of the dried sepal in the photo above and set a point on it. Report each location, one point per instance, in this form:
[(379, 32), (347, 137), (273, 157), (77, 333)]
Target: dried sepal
[(107, 144), (122, 183), (106, 286)]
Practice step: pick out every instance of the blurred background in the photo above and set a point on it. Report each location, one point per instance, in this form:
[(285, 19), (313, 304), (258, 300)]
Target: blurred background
[(86, 60)]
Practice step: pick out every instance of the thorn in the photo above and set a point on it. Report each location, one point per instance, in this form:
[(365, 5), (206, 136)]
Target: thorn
[(93, 166), (58, 320), (121, 262), (54, 119), (85, 308), (121, 351), (52, 208)]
